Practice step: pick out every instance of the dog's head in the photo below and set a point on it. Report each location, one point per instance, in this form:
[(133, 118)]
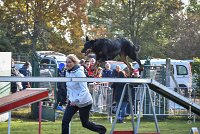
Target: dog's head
[(87, 46)]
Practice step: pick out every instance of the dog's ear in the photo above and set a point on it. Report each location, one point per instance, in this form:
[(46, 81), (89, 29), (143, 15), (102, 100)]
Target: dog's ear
[(87, 38)]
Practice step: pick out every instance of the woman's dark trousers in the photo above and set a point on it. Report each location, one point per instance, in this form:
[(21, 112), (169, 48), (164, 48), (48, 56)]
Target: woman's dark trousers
[(84, 117)]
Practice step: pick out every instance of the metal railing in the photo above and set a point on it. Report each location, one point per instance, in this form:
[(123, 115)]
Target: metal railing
[(102, 96)]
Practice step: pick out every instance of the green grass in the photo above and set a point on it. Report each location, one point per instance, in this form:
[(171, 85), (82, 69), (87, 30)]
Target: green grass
[(21, 125)]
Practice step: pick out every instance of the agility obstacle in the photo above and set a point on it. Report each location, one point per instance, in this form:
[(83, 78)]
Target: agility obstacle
[(143, 88), (22, 98), (131, 132), (151, 83)]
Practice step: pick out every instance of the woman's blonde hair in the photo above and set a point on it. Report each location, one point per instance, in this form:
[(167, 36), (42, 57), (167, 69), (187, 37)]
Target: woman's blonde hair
[(73, 58)]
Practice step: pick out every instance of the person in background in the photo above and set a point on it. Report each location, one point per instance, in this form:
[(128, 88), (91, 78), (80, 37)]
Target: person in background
[(107, 72), (25, 70), (62, 90), (117, 91), (15, 86), (87, 65), (79, 98), (98, 73), (136, 73), (91, 68), (83, 63), (133, 88)]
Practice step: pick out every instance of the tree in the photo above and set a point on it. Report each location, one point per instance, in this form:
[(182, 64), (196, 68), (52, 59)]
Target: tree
[(143, 22), (196, 72), (43, 24), (4, 41), (185, 37)]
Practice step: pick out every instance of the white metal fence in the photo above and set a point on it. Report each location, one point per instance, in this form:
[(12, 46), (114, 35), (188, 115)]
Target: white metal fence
[(103, 101)]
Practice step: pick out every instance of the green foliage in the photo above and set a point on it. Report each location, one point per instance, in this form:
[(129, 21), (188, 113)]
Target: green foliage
[(4, 45), (196, 71), (146, 22), (185, 37), (21, 126), (159, 26), (43, 25)]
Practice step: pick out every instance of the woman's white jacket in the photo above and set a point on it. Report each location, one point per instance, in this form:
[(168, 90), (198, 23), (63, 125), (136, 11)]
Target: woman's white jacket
[(78, 92)]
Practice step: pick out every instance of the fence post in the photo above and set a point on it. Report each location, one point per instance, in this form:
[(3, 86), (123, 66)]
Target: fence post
[(168, 69)]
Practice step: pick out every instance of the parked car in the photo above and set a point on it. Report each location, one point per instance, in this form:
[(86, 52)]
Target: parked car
[(181, 74), (51, 58), (19, 64), (49, 63), (115, 63)]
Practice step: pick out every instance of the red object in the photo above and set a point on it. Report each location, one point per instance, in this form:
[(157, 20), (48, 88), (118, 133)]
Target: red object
[(149, 133), (21, 98), (91, 71), (131, 132), (135, 71), (40, 117), (123, 132)]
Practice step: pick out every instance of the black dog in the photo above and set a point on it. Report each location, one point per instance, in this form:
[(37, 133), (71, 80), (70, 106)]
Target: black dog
[(106, 49)]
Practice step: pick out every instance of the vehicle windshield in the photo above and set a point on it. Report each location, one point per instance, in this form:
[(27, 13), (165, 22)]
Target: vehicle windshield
[(113, 65), (181, 70)]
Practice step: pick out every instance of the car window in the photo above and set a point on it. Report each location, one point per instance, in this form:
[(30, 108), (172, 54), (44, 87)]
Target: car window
[(113, 65), (53, 62), (45, 61), (181, 70)]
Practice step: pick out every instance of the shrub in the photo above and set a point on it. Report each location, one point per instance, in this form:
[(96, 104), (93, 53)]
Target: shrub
[(196, 72)]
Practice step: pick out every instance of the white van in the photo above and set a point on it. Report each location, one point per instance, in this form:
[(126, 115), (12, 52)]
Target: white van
[(181, 71)]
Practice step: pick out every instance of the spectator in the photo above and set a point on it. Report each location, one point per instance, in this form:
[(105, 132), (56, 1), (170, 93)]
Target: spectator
[(62, 91), (133, 87), (79, 98), (15, 86), (83, 64), (87, 65), (26, 72), (107, 72), (92, 61), (99, 73), (136, 73), (117, 91), (91, 68)]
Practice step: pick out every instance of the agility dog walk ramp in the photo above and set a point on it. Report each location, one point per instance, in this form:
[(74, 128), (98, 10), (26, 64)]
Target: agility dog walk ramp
[(174, 96), (22, 98)]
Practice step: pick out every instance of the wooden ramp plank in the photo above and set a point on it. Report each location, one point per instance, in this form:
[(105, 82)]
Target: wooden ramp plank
[(22, 98)]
